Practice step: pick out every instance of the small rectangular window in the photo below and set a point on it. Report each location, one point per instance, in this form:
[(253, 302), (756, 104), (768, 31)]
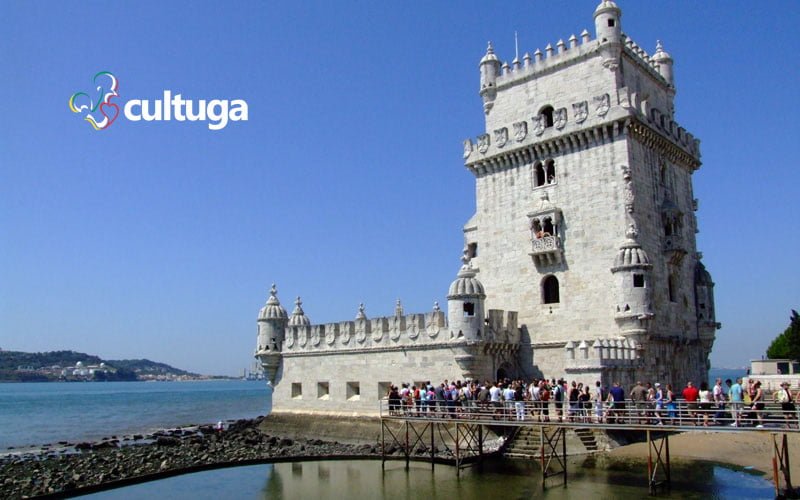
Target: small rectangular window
[(469, 309), (323, 390), (353, 391), (472, 250), (610, 23), (297, 390), (783, 368), (638, 281)]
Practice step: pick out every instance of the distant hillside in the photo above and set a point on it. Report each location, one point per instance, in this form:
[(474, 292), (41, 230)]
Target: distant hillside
[(16, 366)]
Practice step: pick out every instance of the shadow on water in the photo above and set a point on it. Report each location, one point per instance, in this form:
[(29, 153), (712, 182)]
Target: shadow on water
[(592, 477)]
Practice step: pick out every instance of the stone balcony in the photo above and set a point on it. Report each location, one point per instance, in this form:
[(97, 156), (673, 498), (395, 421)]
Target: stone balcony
[(546, 250), (675, 247)]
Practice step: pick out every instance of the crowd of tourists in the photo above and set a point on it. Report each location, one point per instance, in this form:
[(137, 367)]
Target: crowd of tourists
[(546, 400)]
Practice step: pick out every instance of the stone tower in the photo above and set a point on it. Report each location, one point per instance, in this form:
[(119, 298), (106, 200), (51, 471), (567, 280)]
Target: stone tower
[(585, 216)]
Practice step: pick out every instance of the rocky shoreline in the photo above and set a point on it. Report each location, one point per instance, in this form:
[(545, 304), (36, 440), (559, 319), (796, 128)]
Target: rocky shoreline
[(70, 469)]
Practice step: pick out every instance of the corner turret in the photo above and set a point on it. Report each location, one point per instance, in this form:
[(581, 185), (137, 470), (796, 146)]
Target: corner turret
[(272, 320), (465, 304), (607, 22), (664, 61), (490, 70), (633, 271)]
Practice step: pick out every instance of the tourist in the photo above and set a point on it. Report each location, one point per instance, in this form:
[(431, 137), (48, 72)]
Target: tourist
[(758, 403), (735, 398), (519, 400), (441, 399), (671, 405), (544, 395), (690, 395), (598, 402), (584, 400), (394, 400), (616, 399), (658, 400), (719, 398), (784, 397), (558, 397), (639, 398), (574, 397), (508, 399), (705, 402), (483, 398), (535, 389), (495, 399)]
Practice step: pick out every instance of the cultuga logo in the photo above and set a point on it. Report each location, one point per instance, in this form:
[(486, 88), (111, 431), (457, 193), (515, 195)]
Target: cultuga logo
[(101, 112)]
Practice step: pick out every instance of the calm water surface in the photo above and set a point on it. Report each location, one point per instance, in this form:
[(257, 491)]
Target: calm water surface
[(365, 480), (39, 413)]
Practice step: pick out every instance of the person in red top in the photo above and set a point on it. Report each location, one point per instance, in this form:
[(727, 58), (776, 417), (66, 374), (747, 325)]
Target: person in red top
[(690, 394)]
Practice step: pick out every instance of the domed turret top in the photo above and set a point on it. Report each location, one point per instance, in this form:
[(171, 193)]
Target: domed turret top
[(489, 55), (273, 309), (630, 252), (606, 6), (661, 56), (466, 284), (299, 317)]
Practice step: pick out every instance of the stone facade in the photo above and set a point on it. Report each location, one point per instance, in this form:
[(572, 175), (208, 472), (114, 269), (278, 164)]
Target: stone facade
[(585, 225)]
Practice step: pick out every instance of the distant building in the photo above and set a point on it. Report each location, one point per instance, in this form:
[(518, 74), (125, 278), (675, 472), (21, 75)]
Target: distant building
[(579, 262), (773, 372)]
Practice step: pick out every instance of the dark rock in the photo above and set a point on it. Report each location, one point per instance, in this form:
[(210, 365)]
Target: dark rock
[(168, 441)]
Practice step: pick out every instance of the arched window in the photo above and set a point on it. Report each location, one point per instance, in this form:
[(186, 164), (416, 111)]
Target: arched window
[(550, 293), (547, 112), (539, 176), (550, 167)]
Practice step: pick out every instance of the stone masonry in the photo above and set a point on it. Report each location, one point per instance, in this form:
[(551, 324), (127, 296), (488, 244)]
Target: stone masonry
[(584, 227)]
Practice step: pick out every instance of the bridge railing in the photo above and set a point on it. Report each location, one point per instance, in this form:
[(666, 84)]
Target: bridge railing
[(622, 413)]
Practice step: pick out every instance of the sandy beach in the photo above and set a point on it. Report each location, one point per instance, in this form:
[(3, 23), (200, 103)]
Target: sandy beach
[(741, 449)]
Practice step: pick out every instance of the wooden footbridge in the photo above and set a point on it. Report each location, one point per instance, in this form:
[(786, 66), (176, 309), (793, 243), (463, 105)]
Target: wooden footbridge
[(462, 433)]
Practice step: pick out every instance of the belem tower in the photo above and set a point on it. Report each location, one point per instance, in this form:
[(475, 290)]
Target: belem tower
[(579, 262)]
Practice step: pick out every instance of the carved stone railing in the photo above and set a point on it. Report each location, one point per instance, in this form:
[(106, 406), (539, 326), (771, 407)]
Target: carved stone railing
[(546, 250), (675, 248)]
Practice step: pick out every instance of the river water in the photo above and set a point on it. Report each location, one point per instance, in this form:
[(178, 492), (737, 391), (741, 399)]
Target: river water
[(364, 479), (34, 414)]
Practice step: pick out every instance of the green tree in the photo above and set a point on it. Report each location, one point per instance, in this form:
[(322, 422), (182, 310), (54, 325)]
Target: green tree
[(787, 344)]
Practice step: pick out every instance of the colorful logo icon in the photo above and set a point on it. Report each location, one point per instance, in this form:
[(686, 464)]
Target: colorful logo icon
[(107, 86)]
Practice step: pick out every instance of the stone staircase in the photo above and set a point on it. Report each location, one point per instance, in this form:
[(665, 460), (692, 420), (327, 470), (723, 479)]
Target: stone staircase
[(587, 438), (527, 443)]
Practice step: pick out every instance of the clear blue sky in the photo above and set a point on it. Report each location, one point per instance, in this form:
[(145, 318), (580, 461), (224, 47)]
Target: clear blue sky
[(161, 239)]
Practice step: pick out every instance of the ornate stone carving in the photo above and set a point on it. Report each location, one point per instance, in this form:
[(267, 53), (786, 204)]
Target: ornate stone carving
[(538, 124), (602, 104), (345, 336), (629, 196), (501, 137), (560, 118), (483, 143), (361, 336), (330, 336), (581, 111), (520, 131), (467, 148), (315, 337), (302, 338)]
